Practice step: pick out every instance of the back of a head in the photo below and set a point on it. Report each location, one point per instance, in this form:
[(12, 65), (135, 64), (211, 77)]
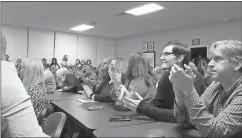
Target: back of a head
[(138, 65), (180, 48), (33, 72)]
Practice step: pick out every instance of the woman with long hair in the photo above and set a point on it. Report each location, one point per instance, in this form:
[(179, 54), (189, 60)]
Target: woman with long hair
[(118, 64), (32, 75), (54, 66), (78, 63), (139, 76), (139, 80)]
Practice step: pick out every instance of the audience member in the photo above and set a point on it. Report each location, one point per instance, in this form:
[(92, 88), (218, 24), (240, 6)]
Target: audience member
[(45, 64), (7, 57), (207, 75), (89, 62), (101, 91), (87, 76), (118, 64), (54, 66), (16, 106), (161, 107), (18, 65), (32, 75), (64, 62), (49, 81), (217, 113), (67, 81), (83, 62), (139, 78), (78, 63)]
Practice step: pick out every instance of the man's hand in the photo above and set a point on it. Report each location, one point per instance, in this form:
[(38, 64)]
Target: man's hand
[(182, 80), (115, 76)]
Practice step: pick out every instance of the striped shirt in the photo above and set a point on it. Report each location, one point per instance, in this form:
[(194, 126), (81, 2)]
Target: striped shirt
[(216, 113)]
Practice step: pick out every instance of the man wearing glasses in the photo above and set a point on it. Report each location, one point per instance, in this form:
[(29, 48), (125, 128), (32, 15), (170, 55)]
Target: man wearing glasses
[(161, 107)]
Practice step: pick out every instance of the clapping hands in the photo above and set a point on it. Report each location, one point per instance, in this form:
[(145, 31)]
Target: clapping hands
[(182, 79), (114, 74)]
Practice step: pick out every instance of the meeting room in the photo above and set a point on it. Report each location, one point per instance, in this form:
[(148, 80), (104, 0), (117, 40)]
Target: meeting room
[(95, 69)]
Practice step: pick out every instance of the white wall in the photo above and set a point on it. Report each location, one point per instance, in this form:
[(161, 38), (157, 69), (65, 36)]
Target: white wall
[(16, 42), (87, 48), (24, 42), (104, 49), (66, 44), (41, 44), (207, 34)]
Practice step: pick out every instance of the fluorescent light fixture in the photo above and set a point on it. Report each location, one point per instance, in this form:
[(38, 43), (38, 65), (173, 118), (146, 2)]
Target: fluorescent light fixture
[(145, 9), (82, 27)]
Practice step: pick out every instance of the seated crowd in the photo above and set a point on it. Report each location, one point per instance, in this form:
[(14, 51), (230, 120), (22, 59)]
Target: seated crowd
[(206, 96)]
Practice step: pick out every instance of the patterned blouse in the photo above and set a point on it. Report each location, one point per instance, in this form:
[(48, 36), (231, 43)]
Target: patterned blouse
[(38, 98)]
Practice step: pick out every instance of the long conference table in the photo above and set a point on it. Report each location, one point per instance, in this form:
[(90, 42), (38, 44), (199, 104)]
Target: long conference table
[(57, 95), (155, 129), (97, 121)]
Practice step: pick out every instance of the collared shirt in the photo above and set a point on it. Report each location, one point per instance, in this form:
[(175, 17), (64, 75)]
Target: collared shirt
[(216, 113)]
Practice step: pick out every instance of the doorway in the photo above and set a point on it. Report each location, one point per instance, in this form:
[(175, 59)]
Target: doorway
[(198, 53)]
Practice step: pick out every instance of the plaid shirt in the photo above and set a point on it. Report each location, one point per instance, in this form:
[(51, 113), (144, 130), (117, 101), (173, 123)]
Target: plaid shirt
[(216, 113)]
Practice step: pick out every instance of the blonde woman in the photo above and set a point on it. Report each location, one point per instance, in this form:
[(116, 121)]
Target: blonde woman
[(67, 81), (120, 65), (32, 75)]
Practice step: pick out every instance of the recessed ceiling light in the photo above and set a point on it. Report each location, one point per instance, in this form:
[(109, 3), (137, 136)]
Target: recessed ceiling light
[(145, 9), (82, 27)]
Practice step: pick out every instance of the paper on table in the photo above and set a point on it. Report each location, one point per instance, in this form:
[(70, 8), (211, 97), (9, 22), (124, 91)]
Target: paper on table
[(58, 90), (80, 91), (86, 100)]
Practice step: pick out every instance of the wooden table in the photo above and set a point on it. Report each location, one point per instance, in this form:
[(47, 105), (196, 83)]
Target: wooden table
[(63, 96), (156, 129), (97, 119)]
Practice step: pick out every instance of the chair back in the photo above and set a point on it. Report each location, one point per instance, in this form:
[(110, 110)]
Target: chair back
[(54, 124)]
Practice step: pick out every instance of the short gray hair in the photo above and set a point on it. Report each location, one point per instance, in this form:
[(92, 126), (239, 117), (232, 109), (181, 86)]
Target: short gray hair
[(231, 48)]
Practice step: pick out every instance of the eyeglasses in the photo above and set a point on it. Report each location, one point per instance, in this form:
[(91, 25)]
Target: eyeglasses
[(166, 54)]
